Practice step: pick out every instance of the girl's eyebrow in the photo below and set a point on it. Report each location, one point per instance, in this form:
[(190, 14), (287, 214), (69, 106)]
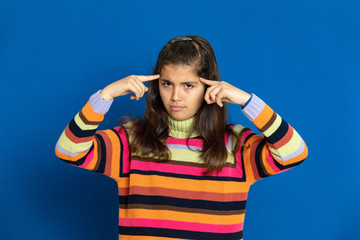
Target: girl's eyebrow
[(189, 82)]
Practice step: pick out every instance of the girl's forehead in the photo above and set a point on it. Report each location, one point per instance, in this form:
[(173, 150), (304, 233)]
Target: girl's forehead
[(178, 73)]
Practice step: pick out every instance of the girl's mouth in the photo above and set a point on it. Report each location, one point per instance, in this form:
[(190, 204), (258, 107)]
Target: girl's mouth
[(176, 108)]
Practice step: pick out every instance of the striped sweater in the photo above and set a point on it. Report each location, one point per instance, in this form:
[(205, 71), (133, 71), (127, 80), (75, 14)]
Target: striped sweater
[(173, 199)]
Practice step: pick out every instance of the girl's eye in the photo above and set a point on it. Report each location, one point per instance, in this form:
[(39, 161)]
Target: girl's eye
[(167, 84), (188, 86)]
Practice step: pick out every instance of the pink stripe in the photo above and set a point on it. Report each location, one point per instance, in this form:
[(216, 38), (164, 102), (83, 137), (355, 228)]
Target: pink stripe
[(192, 142), (227, 138), (245, 135), (239, 162), (125, 153), (88, 159), (182, 141), (188, 226), (184, 170), (271, 162)]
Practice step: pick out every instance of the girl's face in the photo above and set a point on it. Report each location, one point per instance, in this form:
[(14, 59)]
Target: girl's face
[(181, 91)]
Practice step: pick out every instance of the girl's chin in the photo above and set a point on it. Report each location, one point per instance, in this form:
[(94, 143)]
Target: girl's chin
[(179, 117)]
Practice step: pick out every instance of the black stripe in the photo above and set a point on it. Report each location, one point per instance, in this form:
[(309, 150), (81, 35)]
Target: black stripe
[(258, 159), (197, 137), (78, 132), (242, 164), (279, 133), (173, 233), (102, 155), (284, 167), (183, 176), (81, 160), (123, 199), (185, 203), (248, 137)]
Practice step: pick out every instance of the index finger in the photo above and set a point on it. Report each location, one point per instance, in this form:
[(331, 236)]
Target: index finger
[(208, 82), (148, 77)]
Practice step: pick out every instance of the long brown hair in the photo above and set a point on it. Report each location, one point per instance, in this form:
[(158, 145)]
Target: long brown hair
[(152, 130)]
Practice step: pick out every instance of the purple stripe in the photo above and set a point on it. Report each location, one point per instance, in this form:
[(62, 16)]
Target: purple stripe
[(98, 104), (254, 107), (183, 147), (64, 151), (229, 142)]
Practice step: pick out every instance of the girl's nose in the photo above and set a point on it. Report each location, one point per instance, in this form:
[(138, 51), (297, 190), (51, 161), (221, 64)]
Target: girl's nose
[(175, 96)]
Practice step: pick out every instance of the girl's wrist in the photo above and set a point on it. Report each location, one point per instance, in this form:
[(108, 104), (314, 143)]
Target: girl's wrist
[(105, 95), (246, 98)]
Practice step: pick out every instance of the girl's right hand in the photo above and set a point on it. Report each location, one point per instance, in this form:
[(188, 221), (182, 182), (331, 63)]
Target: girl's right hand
[(131, 84)]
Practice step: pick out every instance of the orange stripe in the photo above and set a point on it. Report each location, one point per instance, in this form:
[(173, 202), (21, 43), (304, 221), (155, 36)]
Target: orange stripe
[(89, 113), (265, 162), (188, 184), (247, 163), (123, 184), (160, 191), (116, 153), (70, 158), (264, 117), (108, 149), (249, 158)]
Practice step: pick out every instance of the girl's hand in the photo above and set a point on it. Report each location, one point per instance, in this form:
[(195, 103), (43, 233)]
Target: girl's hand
[(220, 91), (131, 84)]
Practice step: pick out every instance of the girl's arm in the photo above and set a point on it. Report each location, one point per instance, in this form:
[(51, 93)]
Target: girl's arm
[(278, 149), (82, 145)]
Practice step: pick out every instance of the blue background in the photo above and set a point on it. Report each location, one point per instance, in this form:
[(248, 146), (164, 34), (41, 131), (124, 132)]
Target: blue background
[(300, 56)]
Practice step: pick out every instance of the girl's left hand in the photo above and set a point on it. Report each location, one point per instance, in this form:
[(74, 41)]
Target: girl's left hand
[(220, 91)]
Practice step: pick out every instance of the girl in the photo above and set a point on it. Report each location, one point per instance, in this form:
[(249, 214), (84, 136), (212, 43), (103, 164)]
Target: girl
[(182, 171)]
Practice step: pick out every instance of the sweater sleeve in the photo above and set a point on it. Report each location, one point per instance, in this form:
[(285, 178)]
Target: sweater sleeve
[(80, 144), (278, 149)]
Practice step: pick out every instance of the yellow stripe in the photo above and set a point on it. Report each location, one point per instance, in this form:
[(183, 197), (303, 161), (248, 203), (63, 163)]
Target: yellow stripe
[(72, 147), (189, 156), (82, 125), (290, 147), (185, 155), (237, 129), (273, 127)]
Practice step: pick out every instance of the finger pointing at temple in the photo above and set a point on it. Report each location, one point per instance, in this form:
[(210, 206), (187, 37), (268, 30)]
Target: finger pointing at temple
[(208, 82), (148, 77)]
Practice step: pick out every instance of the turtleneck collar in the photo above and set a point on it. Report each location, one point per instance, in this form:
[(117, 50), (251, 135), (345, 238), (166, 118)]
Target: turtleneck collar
[(181, 128)]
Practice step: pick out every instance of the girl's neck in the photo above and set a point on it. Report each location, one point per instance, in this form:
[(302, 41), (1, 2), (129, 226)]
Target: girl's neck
[(181, 128)]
